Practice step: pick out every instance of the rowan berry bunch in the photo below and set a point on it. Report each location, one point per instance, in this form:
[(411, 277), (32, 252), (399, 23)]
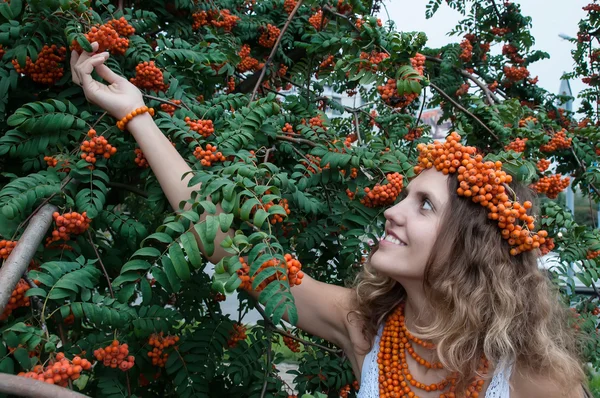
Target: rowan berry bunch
[(160, 342), (6, 247), (46, 69), (292, 344), (140, 159), (219, 297), (230, 85), (287, 129), (278, 218), (518, 145), (383, 195), (115, 356), (58, 371), (313, 165), (67, 224), (351, 195), (199, 19), (499, 31), (289, 5), (372, 60), (485, 183), (350, 138), (345, 391), (418, 63), (149, 77), (170, 109), (238, 333), (316, 121), (592, 254), (528, 119), (17, 299), (463, 89), (467, 51), (209, 155), (389, 95), (269, 36), (493, 86), (290, 271), (318, 21), (51, 161), (551, 185), (329, 61), (201, 126), (413, 134), (596, 311), (516, 73), (542, 165), (108, 39), (96, 146), (559, 140), (547, 246), (121, 26), (512, 53), (247, 63), (359, 22), (225, 20), (592, 7)]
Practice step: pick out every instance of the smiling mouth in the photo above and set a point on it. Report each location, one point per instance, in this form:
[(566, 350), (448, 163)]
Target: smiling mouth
[(394, 240)]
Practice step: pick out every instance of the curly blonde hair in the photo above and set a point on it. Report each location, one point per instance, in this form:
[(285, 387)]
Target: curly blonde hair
[(481, 300)]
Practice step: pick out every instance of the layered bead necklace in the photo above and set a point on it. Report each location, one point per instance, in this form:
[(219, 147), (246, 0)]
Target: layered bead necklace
[(395, 379)]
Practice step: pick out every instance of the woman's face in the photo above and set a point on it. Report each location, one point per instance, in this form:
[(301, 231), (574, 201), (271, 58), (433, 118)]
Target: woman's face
[(411, 227)]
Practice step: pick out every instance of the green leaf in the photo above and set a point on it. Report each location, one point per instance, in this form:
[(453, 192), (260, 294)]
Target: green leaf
[(179, 262)]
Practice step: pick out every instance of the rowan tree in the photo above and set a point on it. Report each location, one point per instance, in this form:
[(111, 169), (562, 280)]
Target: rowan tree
[(110, 275)]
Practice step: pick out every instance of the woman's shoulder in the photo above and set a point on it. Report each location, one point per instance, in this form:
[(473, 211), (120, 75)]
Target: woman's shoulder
[(530, 385)]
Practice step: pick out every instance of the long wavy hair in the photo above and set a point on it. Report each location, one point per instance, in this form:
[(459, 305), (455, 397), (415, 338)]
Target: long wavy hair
[(481, 300)]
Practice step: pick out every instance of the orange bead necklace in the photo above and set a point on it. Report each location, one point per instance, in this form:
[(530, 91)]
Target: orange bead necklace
[(395, 379)]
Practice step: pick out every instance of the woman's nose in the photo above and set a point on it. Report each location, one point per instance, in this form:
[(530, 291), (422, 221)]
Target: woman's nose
[(396, 213)]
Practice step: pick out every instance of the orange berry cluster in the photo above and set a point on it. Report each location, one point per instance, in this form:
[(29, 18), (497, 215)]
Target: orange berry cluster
[(218, 297), (122, 26), (314, 164), (58, 371), (596, 311), (542, 165), (317, 20), (46, 69), (69, 223), (50, 161), (199, 18), (225, 20), (209, 156), (592, 254), (317, 121), (6, 247), (275, 218), (493, 86), (547, 246), (282, 70), (359, 23), (512, 53), (17, 299), (551, 185), (418, 63), (115, 356), (148, 76), (140, 159), (230, 84), (558, 141), (292, 344), (237, 334), (467, 51), (289, 5), (108, 39), (413, 134), (170, 109), (516, 73), (485, 183), (201, 126), (292, 270), (383, 195), (523, 122), (389, 95), (160, 343), (329, 61), (350, 138), (350, 194), (247, 63), (518, 145), (592, 7), (372, 60), (269, 36), (499, 31), (288, 129), (96, 146)]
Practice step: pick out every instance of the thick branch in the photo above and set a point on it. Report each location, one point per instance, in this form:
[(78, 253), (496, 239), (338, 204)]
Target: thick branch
[(129, 188), (274, 50), (296, 140), (25, 387), (16, 264), (464, 110)]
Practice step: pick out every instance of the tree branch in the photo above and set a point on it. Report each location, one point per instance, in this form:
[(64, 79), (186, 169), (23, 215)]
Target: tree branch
[(464, 110), (296, 140), (267, 369), (337, 14), (16, 264), (26, 387), (274, 50), (129, 188), (112, 294), (164, 101)]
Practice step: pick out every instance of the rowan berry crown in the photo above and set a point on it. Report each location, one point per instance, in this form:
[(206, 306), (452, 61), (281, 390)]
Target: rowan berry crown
[(487, 184)]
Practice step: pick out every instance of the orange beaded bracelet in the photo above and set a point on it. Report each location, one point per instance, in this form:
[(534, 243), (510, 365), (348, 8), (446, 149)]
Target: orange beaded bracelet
[(123, 122)]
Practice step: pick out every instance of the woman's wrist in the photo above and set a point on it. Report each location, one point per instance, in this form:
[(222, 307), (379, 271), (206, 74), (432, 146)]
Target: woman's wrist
[(140, 124)]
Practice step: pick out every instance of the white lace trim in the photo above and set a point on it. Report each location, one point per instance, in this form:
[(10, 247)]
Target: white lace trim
[(369, 378)]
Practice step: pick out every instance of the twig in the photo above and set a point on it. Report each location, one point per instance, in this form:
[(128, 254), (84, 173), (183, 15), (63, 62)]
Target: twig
[(296, 140), (129, 188), (463, 109), (268, 367), (305, 342), (182, 105), (25, 387), (112, 294), (99, 119), (36, 301), (274, 50), (128, 384), (357, 128), (267, 154), (582, 167), (62, 185), (20, 257), (120, 7), (337, 14)]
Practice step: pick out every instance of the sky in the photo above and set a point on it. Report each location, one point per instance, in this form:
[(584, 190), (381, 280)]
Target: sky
[(549, 19)]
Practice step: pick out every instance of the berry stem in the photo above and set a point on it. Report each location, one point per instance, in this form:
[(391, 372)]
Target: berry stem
[(112, 294)]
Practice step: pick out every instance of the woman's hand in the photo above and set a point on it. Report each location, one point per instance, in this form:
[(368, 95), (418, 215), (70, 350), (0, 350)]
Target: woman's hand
[(119, 98)]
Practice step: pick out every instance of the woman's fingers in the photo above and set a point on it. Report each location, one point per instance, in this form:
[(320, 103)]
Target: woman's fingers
[(77, 60), (74, 74), (86, 68), (108, 75)]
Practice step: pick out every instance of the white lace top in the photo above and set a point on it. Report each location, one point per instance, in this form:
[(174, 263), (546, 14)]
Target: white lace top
[(369, 378)]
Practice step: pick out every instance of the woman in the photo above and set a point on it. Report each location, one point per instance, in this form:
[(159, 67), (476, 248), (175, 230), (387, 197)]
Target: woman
[(441, 304)]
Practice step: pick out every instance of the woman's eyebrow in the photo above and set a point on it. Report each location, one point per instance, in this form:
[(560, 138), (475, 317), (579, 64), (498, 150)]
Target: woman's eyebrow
[(428, 194)]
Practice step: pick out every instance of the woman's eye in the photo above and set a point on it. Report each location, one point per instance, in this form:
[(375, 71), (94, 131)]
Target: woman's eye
[(426, 205)]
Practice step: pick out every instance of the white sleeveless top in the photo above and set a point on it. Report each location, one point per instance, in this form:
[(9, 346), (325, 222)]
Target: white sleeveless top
[(369, 378)]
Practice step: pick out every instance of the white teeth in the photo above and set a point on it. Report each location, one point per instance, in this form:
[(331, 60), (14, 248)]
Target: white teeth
[(394, 240)]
